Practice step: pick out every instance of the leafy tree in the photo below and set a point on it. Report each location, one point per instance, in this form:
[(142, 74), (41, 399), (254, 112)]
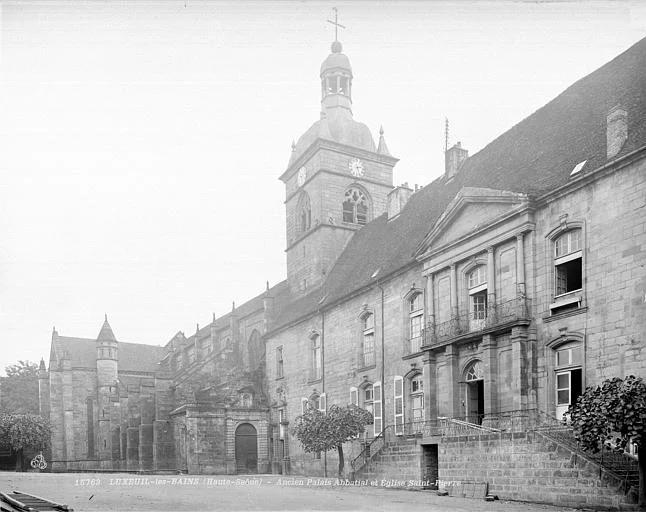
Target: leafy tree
[(24, 431), (321, 432), (612, 415), (19, 389)]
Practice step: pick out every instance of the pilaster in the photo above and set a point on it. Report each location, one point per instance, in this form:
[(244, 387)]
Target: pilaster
[(430, 387), (490, 364), (452, 370), (519, 337)]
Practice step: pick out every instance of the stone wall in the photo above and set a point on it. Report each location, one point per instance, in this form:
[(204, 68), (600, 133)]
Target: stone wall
[(527, 467)]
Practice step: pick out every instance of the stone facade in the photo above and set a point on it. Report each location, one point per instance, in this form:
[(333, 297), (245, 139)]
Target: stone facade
[(501, 289)]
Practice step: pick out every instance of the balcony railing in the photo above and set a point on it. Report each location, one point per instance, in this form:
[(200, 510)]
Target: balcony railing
[(496, 314)]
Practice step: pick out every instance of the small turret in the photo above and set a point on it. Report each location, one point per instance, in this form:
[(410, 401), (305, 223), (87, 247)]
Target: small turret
[(107, 355)]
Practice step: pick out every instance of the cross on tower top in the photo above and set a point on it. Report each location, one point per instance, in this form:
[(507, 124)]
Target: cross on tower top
[(336, 24)]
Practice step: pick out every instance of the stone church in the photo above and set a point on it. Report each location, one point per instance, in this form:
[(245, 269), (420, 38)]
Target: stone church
[(494, 294)]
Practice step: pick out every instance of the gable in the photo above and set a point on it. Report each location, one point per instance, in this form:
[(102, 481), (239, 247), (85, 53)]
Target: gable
[(470, 218), (472, 209)]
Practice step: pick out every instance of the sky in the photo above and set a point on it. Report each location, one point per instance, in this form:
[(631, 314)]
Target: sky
[(141, 142)]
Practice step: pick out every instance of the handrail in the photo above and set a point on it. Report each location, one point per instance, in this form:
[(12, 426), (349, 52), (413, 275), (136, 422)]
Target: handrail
[(496, 314), (371, 449)]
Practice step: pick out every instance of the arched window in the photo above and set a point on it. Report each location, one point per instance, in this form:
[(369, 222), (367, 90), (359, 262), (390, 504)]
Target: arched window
[(368, 340), (474, 372), (415, 321), (256, 350), (355, 206), (304, 213)]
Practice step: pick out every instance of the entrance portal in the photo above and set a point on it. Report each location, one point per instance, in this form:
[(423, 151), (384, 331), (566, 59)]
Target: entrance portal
[(430, 472), (475, 396), (246, 449), (475, 392)]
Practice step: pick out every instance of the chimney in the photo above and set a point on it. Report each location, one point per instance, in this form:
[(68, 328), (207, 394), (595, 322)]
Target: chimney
[(397, 199), (453, 159), (616, 130)]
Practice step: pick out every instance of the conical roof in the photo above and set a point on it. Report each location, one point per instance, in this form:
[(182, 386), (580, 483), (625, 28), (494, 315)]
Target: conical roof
[(106, 334)]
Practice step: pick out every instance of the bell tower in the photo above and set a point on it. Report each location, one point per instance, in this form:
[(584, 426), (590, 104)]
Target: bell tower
[(337, 180)]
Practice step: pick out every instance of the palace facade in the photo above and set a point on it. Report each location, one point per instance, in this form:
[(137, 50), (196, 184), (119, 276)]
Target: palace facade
[(500, 290)]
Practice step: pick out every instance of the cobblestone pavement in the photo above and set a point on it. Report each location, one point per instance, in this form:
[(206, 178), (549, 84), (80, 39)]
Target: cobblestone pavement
[(127, 492)]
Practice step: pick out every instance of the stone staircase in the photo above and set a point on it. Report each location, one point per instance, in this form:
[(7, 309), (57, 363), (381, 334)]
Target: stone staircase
[(540, 464), (397, 460)]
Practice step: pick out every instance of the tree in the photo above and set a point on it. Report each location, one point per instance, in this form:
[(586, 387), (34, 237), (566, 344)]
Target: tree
[(19, 389), (321, 432), (24, 431), (612, 415)]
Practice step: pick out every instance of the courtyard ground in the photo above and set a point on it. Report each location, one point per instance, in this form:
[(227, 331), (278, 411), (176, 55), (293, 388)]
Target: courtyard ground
[(126, 492)]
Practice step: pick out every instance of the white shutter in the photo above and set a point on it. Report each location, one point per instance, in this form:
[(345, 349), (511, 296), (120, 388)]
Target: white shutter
[(398, 404), (354, 396), (378, 424), (323, 402), (304, 402)]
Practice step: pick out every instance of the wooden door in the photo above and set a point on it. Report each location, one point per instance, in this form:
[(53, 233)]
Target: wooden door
[(246, 449)]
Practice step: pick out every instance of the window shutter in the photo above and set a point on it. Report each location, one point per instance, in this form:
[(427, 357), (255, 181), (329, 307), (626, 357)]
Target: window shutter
[(354, 396), (378, 425), (398, 403), (304, 402), (323, 402)]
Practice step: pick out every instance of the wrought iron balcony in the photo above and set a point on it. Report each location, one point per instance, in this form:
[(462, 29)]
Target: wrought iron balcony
[(496, 315)]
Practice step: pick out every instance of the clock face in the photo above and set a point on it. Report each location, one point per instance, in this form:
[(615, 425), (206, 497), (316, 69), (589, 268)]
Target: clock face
[(356, 167), (302, 174)]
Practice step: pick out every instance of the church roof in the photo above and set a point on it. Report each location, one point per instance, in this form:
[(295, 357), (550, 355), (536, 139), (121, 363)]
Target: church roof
[(534, 157), (132, 357)]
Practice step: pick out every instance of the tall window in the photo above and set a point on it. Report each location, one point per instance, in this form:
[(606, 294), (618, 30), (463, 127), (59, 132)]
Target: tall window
[(368, 399), (316, 357), (569, 376), (477, 284), (304, 213), (368, 341), (415, 321), (417, 398), (279, 363), (568, 258), (355, 207)]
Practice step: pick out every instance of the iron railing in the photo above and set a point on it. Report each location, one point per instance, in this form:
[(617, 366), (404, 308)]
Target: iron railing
[(496, 314), (371, 449)]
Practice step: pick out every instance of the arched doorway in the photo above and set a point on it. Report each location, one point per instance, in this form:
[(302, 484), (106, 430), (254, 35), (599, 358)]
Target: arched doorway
[(474, 377), (246, 449)]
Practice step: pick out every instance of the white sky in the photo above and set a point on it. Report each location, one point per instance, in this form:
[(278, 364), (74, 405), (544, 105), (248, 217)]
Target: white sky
[(141, 142)]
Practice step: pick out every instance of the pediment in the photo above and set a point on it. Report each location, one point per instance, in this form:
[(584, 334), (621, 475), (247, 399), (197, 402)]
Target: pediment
[(471, 210)]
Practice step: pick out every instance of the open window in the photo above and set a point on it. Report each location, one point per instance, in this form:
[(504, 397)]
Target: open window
[(568, 271), (569, 375)]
